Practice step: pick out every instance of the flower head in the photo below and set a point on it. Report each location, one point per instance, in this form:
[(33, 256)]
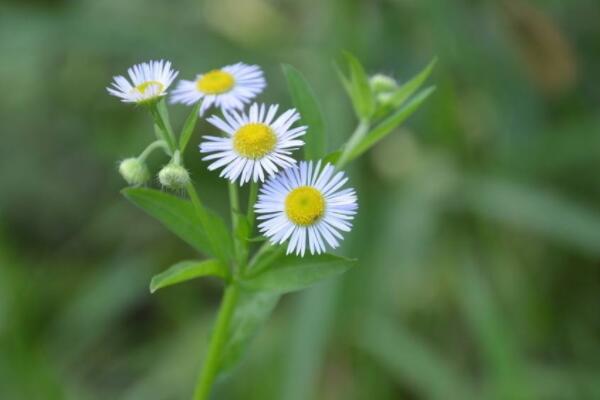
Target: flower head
[(304, 204), (254, 143), (227, 88), (149, 81), (173, 176), (134, 171)]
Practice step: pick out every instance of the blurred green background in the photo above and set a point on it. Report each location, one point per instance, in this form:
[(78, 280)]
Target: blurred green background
[(478, 234)]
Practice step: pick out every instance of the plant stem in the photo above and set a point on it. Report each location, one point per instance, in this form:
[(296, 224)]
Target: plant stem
[(163, 125), (360, 132), (153, 146), (191, 190), (239, 245), (205, 220), (251, 201), (217, 341)]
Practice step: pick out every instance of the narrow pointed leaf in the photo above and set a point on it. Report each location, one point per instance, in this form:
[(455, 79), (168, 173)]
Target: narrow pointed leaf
[(180, 217), (410, 87), (188, 127), (290, 273), (391, 123), (332, 157), (265, 258), (242, 230), (252, 311), (307, 105), (186, 270), (360, 90)]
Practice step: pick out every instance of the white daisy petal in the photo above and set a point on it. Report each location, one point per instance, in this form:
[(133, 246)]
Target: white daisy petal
[(260, 150), (305, 204), (228, 88), (149, 81)]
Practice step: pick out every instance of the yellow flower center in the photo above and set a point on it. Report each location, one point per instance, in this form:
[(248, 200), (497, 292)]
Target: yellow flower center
[(304, 205), (145, 86), (254, 140), (215, 82)]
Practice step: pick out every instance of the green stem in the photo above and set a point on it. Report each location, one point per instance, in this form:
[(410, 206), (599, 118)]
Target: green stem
[(217, 342), (153, 146), (191, 190), (164, 126), (205, 220), (251, 201), (239, 245), (359, 133)]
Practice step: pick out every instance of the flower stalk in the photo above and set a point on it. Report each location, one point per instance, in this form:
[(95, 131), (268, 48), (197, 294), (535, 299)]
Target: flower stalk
[(359, 133), (218, 340)]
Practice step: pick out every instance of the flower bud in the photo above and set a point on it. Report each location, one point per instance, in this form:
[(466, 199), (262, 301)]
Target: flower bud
[(134, 171), (382, 84), (174, 176)]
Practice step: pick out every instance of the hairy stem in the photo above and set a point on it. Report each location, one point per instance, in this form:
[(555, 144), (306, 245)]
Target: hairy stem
[(217, 342), (160, 143), (251, 201), (359, 133), (164, 125), (240, 245)]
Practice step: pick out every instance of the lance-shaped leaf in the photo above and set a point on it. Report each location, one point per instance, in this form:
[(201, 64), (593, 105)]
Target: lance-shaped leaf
[(290, 273), (252, 311), (332, 157), (307, 105), (180, 217), (390, 123), (410, 87), (358, 88), (186, 270), (188, 127)]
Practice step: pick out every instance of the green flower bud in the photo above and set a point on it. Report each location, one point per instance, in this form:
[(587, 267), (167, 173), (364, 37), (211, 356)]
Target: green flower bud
[(384, 98), (174, 176), (382, 84), (134, 171)]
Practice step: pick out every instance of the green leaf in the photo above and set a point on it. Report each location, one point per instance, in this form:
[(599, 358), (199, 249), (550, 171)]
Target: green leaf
[(219, 235), (410, 87), (290, 273), (188, 127), (180, 217), (307, 105), (389, 124), (186, 270), (252, 311), (358, 88), (264, 258), (242, 230), (256, 239), (332, 157)]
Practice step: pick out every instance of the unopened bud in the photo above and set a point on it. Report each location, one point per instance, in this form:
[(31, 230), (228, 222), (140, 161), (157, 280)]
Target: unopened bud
[(174, 176), (134, 171), (382, 84)]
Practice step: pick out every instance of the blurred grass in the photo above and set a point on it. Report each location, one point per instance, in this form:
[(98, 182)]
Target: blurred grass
[(478, 233)]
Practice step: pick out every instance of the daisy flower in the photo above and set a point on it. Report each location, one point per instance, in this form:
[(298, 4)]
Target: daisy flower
[(149, 81), (227, 88), (254, 143), (305, 205)]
